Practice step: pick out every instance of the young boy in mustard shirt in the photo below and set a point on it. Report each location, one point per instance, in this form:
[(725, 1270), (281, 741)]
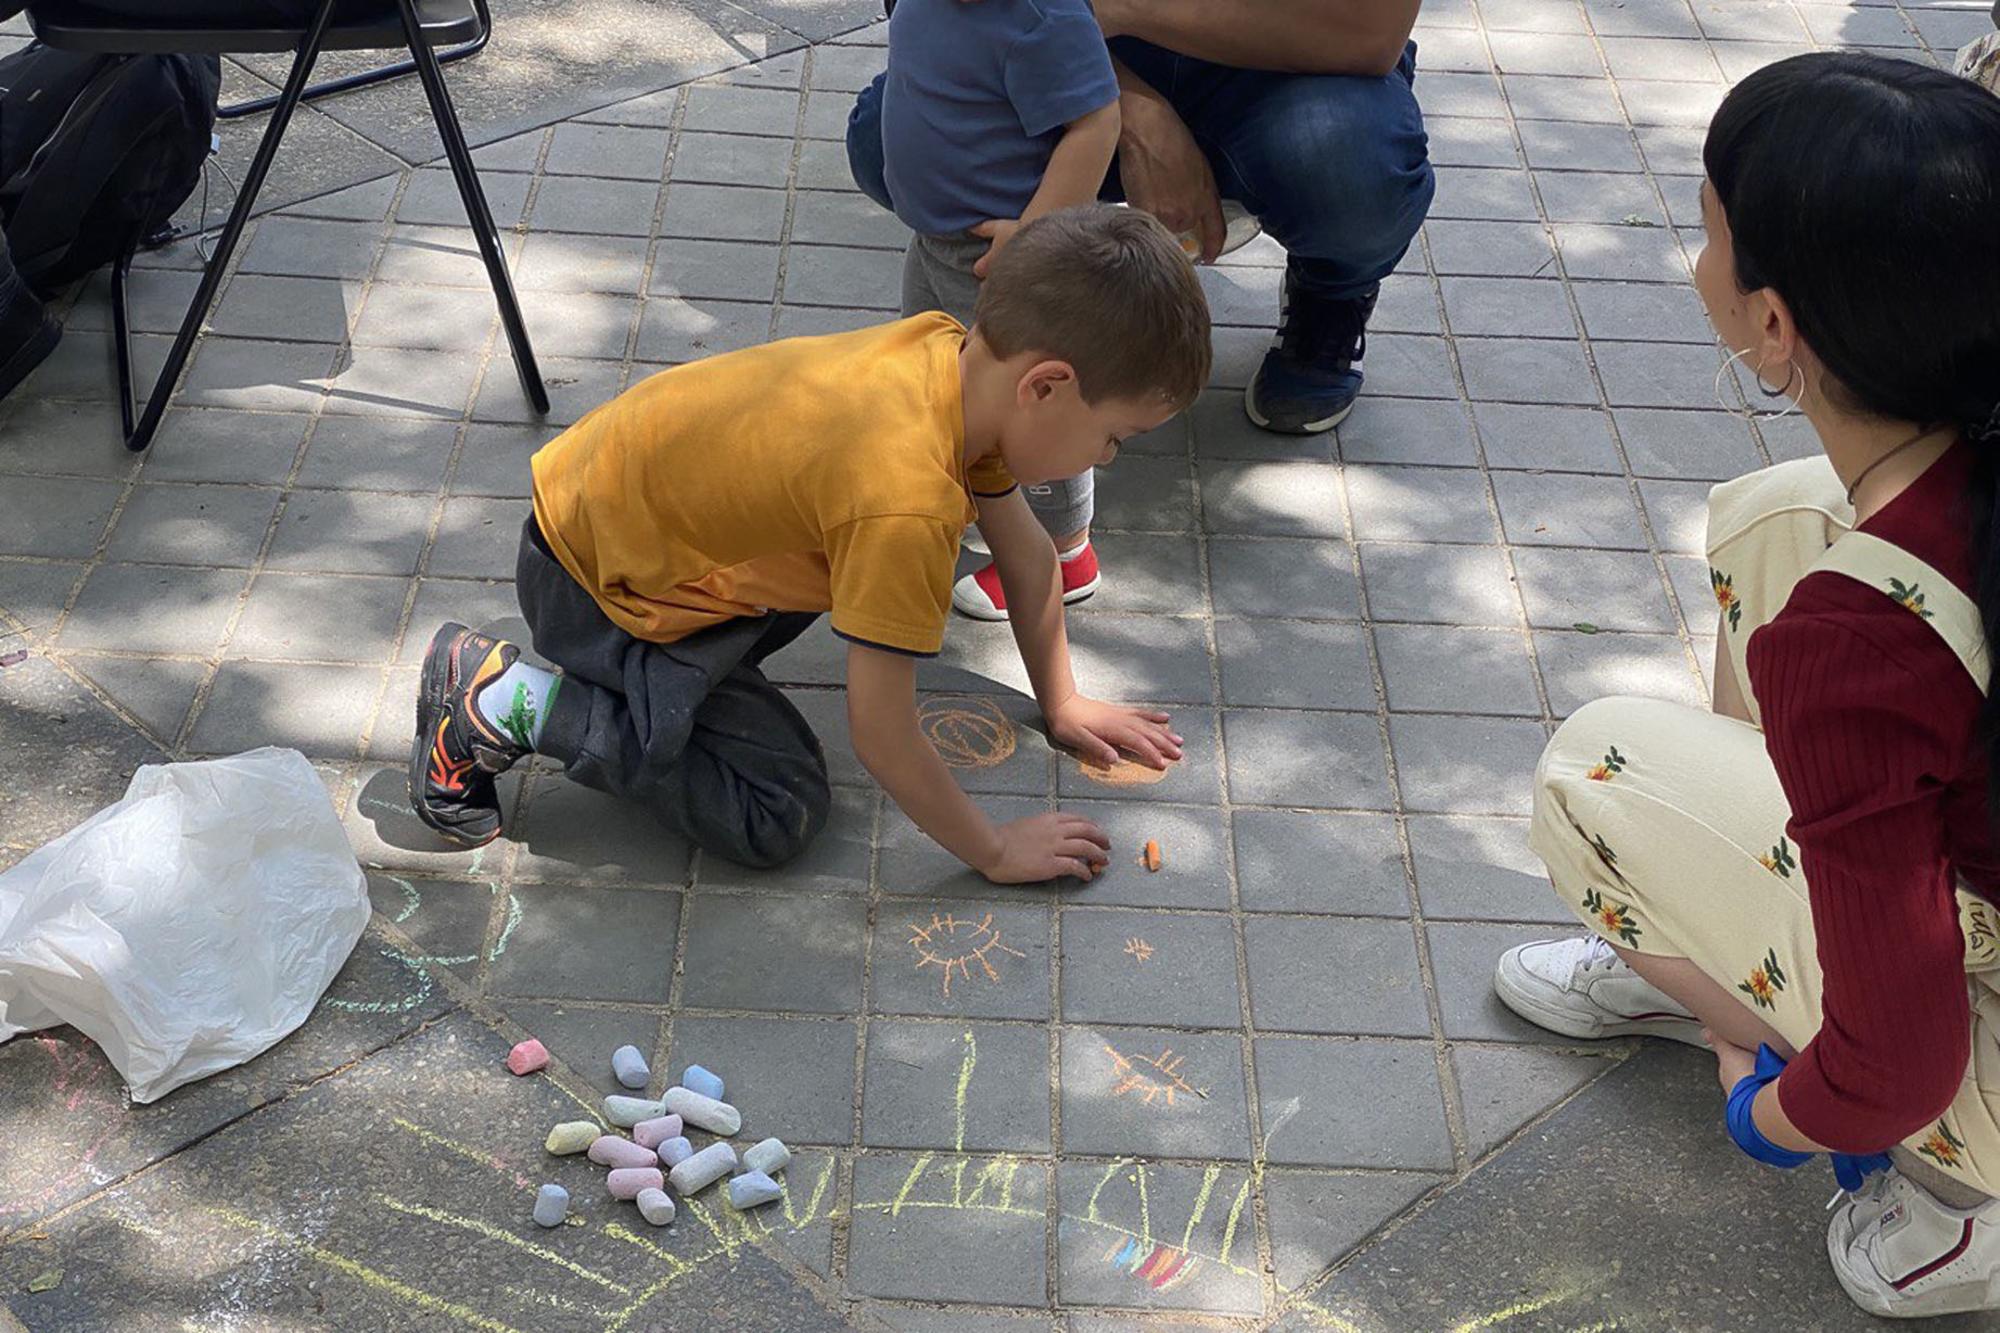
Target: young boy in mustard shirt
[(701, 520)]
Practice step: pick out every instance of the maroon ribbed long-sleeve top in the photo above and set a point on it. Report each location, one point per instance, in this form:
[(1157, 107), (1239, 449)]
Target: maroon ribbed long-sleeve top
[(1870, 720)]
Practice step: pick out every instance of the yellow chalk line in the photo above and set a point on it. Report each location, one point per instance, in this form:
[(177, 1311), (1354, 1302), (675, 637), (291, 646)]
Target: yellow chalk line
[(1235, 1216), (1200, 1203), (965, 1069), (362, 1273), (484, 1159), (505, 1237)]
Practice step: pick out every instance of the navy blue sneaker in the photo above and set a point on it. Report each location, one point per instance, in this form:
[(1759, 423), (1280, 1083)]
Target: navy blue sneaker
[(1308, 382)]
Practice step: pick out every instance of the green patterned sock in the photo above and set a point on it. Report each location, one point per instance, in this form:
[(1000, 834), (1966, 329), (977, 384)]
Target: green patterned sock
[(517, 703)]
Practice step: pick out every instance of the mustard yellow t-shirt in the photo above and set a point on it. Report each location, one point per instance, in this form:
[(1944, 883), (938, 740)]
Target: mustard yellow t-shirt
[(813, 474)]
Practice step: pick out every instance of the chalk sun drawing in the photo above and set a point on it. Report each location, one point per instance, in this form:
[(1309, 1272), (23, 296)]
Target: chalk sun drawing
[(967, 732), (1138, 948), (1151, 1078), (1124, 773), (957, 944)]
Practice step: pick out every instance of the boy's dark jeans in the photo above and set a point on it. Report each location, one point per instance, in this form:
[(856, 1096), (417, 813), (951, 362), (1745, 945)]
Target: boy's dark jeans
[(691, 729)]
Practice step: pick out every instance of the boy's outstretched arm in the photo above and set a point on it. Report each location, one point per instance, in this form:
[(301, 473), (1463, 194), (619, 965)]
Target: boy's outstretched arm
[(882, 715), (1032, 580), (1075, 172)]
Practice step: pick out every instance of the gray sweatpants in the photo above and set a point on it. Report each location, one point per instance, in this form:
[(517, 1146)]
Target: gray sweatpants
[(690, 729), (937, 275)]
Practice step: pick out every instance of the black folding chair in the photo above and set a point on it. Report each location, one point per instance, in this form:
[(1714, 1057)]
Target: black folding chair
[(344, 25), (250, 106)]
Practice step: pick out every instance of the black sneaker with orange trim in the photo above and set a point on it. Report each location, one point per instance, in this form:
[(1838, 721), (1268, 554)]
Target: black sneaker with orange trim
[(457, 753)]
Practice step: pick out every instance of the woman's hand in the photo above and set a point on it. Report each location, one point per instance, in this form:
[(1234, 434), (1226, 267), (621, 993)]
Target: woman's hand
[(1732, 1062)]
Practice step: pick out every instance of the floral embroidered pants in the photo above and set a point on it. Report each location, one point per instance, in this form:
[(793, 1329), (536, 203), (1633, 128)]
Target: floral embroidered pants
[(1663, 826)]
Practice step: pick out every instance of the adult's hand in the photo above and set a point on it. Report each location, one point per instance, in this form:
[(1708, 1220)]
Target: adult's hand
[(1164, 170)]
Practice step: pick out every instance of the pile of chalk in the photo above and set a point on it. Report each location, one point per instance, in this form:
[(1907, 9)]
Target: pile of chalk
[(658, 1153)]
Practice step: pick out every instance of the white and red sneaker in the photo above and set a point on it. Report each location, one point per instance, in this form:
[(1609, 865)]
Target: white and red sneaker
[(1581, 988), (1902, 1253), (979, 595)]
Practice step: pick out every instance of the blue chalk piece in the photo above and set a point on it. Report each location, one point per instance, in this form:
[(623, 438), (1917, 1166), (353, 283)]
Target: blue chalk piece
[(630, 1067), (674, 1151), (551, 1206), (699, 1080), (753, 1188)]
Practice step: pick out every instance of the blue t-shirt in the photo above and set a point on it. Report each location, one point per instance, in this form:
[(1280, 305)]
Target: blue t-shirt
[(976, 99)]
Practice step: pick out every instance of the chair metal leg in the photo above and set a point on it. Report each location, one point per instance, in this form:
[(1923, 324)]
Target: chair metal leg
[(121, 337), (141, 435), (477, 213), (349, 82)]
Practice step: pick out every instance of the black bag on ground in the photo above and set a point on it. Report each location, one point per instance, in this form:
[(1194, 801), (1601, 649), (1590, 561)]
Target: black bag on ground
[(97, 152)]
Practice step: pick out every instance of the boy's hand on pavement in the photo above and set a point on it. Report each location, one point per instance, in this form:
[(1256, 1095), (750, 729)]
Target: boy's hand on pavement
[(1048, 847), (1098, 731), (999, 231)]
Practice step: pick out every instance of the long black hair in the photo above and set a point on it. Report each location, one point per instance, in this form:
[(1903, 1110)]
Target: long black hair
[(1865, 191)]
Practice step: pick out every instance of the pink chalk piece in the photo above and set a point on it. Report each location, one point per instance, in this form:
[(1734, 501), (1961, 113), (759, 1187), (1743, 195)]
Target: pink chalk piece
[(529, 1056), (652, 1133), (614, 1151), (627, 1181)]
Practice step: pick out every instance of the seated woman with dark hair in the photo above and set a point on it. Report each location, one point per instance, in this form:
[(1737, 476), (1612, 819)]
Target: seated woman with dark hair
[(1806, 878)]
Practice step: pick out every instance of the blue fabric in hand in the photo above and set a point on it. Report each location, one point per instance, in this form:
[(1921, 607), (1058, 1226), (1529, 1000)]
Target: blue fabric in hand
[(1743, 1128), (1851, 1169)]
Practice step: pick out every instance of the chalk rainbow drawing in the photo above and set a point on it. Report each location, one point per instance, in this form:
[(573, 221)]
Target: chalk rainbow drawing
[(953, 944)]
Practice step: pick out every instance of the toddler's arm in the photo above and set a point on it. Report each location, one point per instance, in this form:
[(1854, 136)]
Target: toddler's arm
[(1076, 169)]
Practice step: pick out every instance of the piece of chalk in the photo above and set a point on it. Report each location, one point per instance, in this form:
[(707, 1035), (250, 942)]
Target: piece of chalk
[(626, 1181), (655, 1207), (1150, 858), (703, 1112), (611, 1150), (697, 1079), (753, 1188), (674, 1151), (770, 1157), (551, 1205), (630, 1067), (626, 1112), (703, 1169), (572, 1136), (528, 1056), (652, 1133)]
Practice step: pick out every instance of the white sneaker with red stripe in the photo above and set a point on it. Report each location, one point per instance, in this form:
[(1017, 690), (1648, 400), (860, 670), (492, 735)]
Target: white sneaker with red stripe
[(1903, 1254), (1581, 988), (978, 594)]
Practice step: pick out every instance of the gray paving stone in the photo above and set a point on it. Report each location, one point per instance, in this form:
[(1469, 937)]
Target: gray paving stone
[(1463, 94), (1140, 659), (843, 276), (318, 710), (1219, 430), (257, 306), (35, 591), (1480, 868), (1576, 146), (300, 248), (569, 833), (1173, 439), (732, 159), (1463, 956), (1274, 577), (1479, 193), (382, 381), (1139, 1092), (1615, 253), (1105, 1251), (785, 952), (723, 212), (738, 110), (596, 205), (1465, 765), (1538, 437), (1656, 18), (443, 256), (1678, 512), (157, 691), (1419, 504), (1668, 102), (92, 427), (367, 202), (1566, 509), (49, 516), (578, 943), (1503, 1089), (1657, 375), (431, 199), (318, 617), (1271, 499), (1471, 141), (477, 538), (192, 525), (575, 387), (573, 325), (912, 1087), (823, 166), (495, 458), (1150, 573), (1643, 311), (1660, 58), (1318, 974), (1324, 760), (1464, 585), (1241, 296), (1410, 367), (606, 150), (363, 454), (1399, 430), (1610, 590), (153, 609), (807, 321), (1707, 446), (1145, 494), (842, 217), (1320, 1102), (722, 270), (1541, 97), (480, 605), (1437, 668), (1318, 1218), (1580, 667), (583, 1035), (1525, 370), (1295, 861), (1508, 307), (1294, 664), (838, 860), (1174, 970), (995, 1249), (554, 262), (1600, 196), (351, 533), (981, 959), (680, 330), (1194, 855), (1408, 304), (792, 1077)]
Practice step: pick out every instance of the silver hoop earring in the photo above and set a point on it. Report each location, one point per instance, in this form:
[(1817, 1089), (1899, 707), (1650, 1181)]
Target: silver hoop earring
[(1756, 373)]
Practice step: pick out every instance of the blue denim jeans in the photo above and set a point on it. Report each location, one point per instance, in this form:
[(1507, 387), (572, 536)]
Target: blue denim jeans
[(1335, 167)]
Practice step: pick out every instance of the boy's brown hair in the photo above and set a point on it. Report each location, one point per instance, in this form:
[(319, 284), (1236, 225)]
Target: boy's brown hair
[(1108, 290)]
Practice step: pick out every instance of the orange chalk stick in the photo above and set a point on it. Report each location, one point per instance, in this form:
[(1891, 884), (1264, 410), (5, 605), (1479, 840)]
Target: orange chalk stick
[(1150, 858)]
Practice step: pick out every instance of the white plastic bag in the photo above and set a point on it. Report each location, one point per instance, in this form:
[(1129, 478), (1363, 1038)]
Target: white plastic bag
[(190, 926)]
